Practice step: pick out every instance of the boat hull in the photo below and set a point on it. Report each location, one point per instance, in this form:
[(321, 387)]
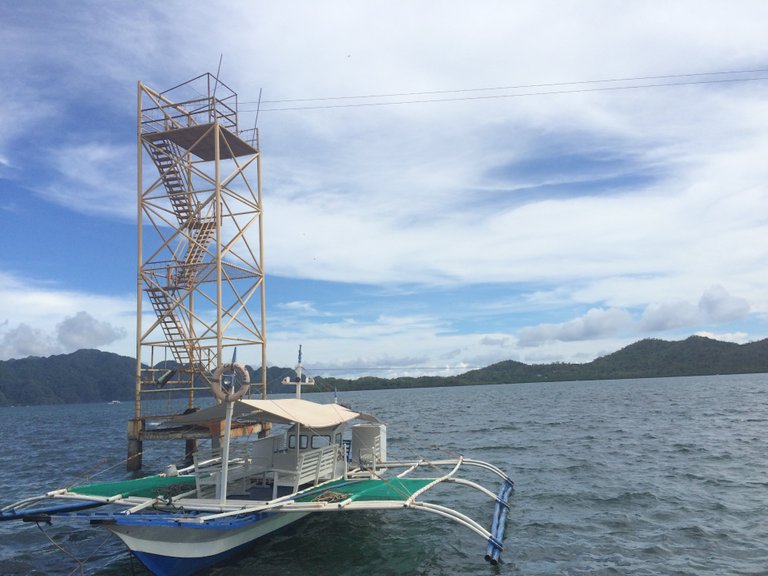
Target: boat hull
[(182, 549)]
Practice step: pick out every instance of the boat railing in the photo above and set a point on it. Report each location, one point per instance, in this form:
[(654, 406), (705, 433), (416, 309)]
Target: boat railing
[(263, 460)]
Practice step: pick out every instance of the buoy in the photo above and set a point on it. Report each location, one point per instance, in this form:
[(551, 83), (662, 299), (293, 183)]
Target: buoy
[(245, 379)]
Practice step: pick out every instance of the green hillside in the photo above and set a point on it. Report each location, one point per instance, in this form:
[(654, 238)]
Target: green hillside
[(83, 376), (87, 376), (94, 376), (695, 356)]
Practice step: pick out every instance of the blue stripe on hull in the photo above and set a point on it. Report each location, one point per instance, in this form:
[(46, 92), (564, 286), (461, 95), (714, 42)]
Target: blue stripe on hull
[(170, 566)]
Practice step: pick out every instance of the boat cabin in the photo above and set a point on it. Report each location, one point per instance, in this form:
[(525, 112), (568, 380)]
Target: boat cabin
[(309, 443)]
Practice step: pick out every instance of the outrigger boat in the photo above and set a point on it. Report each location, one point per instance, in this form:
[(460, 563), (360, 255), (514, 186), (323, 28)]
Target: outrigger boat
[(308, 457), (318, 458)]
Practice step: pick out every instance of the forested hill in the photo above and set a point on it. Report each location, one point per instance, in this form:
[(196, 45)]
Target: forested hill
[(83, 376), (86, 376), (695, 356), (94, 376)]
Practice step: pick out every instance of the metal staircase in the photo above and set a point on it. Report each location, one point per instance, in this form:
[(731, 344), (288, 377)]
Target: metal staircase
[(200, 238), (173, 329), (198, 232), (165, 154)]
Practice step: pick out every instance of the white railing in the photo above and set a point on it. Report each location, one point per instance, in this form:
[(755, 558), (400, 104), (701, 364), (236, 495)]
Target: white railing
[(262, 459), (247, 461)]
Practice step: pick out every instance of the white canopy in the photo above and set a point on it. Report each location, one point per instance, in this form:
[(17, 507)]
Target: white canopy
[(284, 410)]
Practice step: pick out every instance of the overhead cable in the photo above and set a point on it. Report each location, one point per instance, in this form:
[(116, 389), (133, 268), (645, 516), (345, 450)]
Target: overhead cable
[(638, 82)]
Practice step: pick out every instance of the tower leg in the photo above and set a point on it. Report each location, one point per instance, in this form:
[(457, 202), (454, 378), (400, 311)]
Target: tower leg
[(190, 448), (135, 444)]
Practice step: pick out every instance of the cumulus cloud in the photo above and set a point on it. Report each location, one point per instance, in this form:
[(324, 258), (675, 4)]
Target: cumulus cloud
[(668, 316), (373, 363), (75, 332), (24, 340), (42, 319), (718, 305), (84, 331), (596, 323), (715, 305)]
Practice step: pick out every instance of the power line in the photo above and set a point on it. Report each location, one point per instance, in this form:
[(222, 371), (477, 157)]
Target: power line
[(320, 370), (516, 87), (502, 96), (323, 101)]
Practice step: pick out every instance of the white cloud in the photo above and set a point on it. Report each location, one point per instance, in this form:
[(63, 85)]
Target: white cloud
[(715, 305), (622, 203), (595, 324), (42, 319), (24, 340), (489, 340), (669, 316), (73, 333), (719, 306), (95, 178), (300, 306), (735, 337), (83, 331)]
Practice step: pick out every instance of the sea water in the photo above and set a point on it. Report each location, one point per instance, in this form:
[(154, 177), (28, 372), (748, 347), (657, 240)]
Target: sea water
[(641, 477)]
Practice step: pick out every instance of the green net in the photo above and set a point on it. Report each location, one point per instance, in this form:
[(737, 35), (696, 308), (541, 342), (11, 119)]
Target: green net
[(391, 489), (148, 487)]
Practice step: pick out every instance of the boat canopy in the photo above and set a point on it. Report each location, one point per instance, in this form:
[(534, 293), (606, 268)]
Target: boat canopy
[(284, 411)]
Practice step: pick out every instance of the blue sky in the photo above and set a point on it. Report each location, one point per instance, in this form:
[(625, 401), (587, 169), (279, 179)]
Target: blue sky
[(556, 221)]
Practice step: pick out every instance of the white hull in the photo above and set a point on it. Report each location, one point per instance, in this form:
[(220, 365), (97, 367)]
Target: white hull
[(171, 550)]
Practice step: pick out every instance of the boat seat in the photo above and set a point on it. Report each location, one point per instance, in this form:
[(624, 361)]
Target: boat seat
[(248, 461)]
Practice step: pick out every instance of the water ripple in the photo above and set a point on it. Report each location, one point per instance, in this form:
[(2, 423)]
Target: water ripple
[(635, 477)]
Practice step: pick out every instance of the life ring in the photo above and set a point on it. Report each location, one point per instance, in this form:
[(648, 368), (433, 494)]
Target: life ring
[(245, 379)]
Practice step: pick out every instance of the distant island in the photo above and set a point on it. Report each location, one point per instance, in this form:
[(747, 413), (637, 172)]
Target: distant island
[(95, 376), (649, 358)]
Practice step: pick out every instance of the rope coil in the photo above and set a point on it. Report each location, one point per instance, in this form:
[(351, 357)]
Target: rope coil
[(331, 497)]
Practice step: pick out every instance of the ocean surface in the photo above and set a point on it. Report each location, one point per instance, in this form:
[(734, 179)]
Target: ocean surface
[(640, 477)]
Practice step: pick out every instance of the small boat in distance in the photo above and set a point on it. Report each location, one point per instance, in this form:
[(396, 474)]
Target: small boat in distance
[(318, 458), (114, 402)]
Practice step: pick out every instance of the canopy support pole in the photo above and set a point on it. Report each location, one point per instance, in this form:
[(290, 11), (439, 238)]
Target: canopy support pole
[(225, 454)]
